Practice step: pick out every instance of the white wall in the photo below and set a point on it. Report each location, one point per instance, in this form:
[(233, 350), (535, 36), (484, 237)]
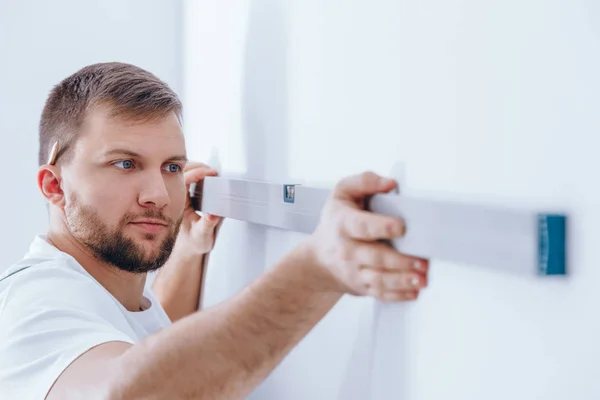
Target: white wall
[(42, 42), (492, 102)]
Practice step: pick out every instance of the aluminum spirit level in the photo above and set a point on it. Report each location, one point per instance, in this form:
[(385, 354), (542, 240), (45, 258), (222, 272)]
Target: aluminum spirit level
[(513, 240)]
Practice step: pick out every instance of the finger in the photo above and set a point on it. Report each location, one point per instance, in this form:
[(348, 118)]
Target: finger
[(207, 224), (376, 283), (211, 219), (194, 165), (367, 225), (197, 174), (358, 186), (389, 297), (383, 256)]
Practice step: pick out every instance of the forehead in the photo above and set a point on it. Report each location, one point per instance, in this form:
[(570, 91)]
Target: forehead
[(157, 137)]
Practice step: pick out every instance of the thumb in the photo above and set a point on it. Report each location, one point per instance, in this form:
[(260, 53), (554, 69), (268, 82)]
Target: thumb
[(365, 184), (207, 224)]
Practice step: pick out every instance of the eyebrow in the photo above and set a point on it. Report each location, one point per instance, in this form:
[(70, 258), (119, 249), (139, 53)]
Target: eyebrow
[(134, 154)]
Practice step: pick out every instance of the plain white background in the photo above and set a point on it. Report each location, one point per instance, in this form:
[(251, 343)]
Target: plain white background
[(493, 102)]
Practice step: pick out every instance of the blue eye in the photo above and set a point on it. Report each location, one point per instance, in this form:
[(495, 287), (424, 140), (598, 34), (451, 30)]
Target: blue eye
[(174, 168), (125, 164)]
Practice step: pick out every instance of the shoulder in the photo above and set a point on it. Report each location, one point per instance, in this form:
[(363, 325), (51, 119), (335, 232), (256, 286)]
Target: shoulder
[(50, 314), (51, 283)]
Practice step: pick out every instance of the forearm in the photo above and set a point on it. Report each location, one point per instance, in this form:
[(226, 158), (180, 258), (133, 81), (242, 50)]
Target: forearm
[(225, 351), (179, 284)]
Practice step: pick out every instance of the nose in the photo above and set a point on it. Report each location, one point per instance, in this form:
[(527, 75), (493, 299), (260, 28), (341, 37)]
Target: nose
[(154, 192)]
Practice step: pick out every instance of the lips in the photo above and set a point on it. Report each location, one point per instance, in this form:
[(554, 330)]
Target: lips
[(150, 226), (150, 221)]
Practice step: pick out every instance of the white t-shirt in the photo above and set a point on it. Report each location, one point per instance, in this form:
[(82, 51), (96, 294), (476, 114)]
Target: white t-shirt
[(54, 311)]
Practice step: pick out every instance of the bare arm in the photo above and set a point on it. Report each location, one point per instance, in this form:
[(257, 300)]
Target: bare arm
[(179, 284), (224, 352), (220, 353), (227, 350)]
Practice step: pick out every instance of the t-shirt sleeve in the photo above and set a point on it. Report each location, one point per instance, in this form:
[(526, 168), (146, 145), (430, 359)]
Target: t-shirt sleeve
[(47, 320)]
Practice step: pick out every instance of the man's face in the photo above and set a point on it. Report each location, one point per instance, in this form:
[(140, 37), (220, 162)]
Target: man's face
[(124, 189)]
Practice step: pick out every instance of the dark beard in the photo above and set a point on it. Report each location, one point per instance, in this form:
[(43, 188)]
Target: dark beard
[(112, 246)]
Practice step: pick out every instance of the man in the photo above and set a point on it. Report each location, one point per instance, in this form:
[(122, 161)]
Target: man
[(77, 320)]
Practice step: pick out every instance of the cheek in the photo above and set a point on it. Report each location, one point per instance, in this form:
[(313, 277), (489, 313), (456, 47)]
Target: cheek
[(178, 195), (110, 203)]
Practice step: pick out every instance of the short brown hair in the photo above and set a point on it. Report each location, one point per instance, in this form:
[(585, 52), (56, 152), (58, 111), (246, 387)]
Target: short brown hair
[(129, 91)]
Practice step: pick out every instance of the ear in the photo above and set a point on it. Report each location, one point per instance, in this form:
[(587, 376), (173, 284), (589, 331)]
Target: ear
[(49, 182)]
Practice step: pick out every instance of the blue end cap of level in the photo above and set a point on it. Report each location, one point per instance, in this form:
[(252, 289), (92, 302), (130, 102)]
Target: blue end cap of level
[(552, 244)]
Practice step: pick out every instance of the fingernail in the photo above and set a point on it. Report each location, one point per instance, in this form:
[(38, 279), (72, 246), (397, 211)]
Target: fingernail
[(414, 281), (418, 265)]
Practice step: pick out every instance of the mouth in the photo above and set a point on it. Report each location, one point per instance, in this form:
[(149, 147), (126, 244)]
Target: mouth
[(150, 226)]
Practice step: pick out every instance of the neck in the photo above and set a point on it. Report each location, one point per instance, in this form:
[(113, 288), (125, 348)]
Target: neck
[(126, 287)]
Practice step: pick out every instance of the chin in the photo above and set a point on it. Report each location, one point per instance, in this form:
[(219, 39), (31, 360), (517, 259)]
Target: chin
[(148, 254), (151, 237), (150, 243)]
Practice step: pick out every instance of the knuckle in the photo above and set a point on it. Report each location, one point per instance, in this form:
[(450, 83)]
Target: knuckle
[(391, 282), (345, 253), (355, 282), (340, 224), (367, 177), (331, 248), (380, 256), (340, 184), (371, 258), (398, 282), (375, 282), (362, 227), (391, 260)]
